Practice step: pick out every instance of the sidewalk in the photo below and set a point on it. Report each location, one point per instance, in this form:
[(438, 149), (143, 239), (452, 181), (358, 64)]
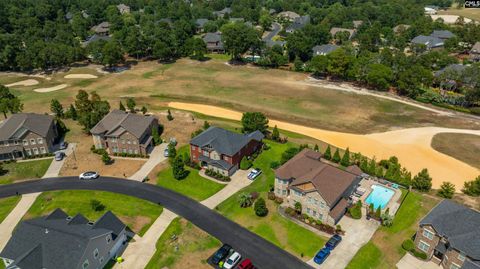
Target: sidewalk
[(156, 157)]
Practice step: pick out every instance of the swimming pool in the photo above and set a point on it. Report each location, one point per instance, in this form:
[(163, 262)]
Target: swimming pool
[(380, 196)]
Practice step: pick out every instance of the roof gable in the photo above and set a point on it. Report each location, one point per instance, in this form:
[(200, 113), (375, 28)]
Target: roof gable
[(17, 124), (118, 121)]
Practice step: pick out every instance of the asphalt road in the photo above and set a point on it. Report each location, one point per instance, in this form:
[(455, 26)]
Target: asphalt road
[(263, 254)]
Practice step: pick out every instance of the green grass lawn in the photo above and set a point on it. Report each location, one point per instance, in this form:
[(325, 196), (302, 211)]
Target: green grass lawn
[(138, 214), (7, 205), (14, 171), (275, 228), (194, 246), (385, 248)]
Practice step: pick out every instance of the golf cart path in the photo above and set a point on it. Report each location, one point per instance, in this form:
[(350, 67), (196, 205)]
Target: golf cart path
[(412, 146)]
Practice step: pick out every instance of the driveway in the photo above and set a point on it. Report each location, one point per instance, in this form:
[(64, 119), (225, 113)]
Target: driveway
[(156, 157), (410, 262), (55, 166), (276, 28), (238, 182), (357, 234)]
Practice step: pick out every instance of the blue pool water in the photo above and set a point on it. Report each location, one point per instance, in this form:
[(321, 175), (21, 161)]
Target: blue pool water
[(379, 196)]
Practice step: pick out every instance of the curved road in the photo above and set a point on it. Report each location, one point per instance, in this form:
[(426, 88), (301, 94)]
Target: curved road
[(260, 251)]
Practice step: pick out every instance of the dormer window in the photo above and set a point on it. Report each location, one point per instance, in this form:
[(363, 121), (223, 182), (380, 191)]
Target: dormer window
[(109, 239), (95, 253), (85, 264)]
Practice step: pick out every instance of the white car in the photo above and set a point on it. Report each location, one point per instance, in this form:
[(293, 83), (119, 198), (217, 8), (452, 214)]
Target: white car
[(254, 173), (232, 260), (89, 175)]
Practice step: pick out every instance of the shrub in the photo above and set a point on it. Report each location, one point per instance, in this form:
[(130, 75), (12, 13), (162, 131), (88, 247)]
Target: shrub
[(387, 220), (216, 175), (472, 187), (245, 200), (279, 200), (260, 207), (97, 205), (254, 195), (422, 181), (447, 190), (290, 211), (274, 164), (106, 158), (305, 216), (298, 207), (356, 210), (338, 228), (408, 245), (169, 115), (271, 196), (245, 163), (420, 254), (378, 212)]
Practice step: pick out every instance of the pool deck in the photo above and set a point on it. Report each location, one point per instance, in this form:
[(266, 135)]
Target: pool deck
[(394, 202)]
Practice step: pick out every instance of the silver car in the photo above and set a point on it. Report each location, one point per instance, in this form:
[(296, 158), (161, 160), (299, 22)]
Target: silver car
[(89, 175)]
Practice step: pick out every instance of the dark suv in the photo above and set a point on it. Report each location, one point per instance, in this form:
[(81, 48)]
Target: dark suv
[(333, 241), (221, 253)]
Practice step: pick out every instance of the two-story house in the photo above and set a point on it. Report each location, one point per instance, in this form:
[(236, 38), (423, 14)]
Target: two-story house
[(450, 236), (214, 42), (222, 150), (123, 132), (27, 134), (60, 241), (322, 189)]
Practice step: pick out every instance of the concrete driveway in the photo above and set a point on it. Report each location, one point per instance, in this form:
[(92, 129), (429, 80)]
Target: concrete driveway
[(55, 167), (156, 157), (357, 234), (410, 262)]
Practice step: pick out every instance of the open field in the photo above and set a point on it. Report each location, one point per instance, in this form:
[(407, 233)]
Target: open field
[(7, 205), (16, 171), (464, 147), (385, 248), (471, 13), (136, 213), (194, 247)]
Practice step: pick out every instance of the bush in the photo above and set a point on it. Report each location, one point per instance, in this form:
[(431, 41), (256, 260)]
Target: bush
[(106, 158), (245, 163), (271, 195), (97, 205), (217, 175), (245, 200), (298, 207), (356, 210), (290, 211), (420, 254), (408, 245), (447, 190), (254, 195), (472, 187), (274, 164), (260, 208), (279, 200)]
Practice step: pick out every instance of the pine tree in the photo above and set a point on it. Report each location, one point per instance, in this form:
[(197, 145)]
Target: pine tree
[(328, 154), (206, 125), (121, 106), (72, 112), (336, 156), (447, 190), (56, 108), (144, 110), (131, 105), (275, 134), (156, 136), (346, 158), (178, 168), (422, 181), (372, 167)]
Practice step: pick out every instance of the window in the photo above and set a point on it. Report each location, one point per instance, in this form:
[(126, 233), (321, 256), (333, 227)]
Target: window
[(134, 142), (32, 141), (423, 246), (16, 142), (115, 149), (308, 211), (29, 152), (35, 151), (454, 266), (6, 143), (427, 234), (109, 239), (316, 202), (314, 213), (25, 142), (320, 215), (129, 142), (85, 264), (206, 154), (309, 199), (136, 151), (95, 253), (461, 257), (279, 191), (322, 204), (39, 140), (123, 141), (124, 150), (42, 150)]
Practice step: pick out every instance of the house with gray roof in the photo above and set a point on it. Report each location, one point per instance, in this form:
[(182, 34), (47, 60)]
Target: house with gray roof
[(289, 15), (430, 42), (27, 134), (200, 23), (101, 29), (214, 42), (222, 150), (450, 236), (122, 8), (324, 49), (221, 13), (451, 76), (442, 34), (122, 132), (94, 38), (475, 52), (59, 241), (298, 23)]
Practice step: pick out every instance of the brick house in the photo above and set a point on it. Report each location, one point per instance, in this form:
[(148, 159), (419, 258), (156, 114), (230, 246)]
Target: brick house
[(450, 236), (322, 189), (222, 150), (27, 134), (122, 132)]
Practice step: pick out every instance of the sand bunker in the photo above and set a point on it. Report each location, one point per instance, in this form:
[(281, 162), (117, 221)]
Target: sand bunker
[(80, 76), (27, 82), (411, 146), (51, 89)]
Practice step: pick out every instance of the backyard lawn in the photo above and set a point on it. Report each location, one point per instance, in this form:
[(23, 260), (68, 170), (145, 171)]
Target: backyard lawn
[(7, 205), (385, 248), (138, 214), (194, 247), (14, 171), (275, 228)]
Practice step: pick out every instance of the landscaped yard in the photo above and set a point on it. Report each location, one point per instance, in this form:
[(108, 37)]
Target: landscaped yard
[(194, 247), (464, 147), (275, 228), (136, 213), (7, 205), (14, 171), (385, 248)]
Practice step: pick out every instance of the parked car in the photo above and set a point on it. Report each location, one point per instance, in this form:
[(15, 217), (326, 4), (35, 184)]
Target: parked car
[(333, 242), (221, 253), (59, 156), (232, 260), (64, 145), (89, 175), (246, 264), (165, 153), (254, 173), (321, 255)]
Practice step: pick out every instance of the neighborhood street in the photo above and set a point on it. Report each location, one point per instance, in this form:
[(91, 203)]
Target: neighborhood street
[(260, 251)]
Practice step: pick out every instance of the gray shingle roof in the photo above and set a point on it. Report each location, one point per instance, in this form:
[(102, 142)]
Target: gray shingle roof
[(476, 48), (95, 38), (212, 37), (17, 124), (201, 22), (53, 242), (324, 49), (459, 224), (299, 23), (452, 68), (223, 141), (429, 41), (471, 265), (442, 34), (118, 121)]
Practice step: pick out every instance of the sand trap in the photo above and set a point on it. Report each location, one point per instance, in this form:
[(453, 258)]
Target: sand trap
[(51, 89), (27, 82), (80, 76), (449, 19), (411, 146)]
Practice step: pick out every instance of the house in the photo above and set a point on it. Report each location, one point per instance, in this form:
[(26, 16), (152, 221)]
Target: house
[(200, 23), (322, 189), (451, 75), (475, 52), (400, 28), (222, 150), (442, 34), (430, 10), (357, 24), (336, 30), (214, 42), (123, 132), (122, 8), (298, 23), (60, 241), (94, 38), (270, 43), (222, 12), (450, 236), (289, 15), (430, 42), (27, 134), (101, 29), (324, 49)]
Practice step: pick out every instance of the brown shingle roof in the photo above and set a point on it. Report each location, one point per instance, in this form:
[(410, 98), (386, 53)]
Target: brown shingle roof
[(118, 121), (15, 125)]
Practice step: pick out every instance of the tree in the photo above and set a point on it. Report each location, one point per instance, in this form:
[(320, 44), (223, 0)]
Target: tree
[(260, 207), (336, 156), (71, 113), (472, 187), (97, 205), (131, 104), (379, 76), (196, 48), (169, 115), (319, 64), (339, 62), (106, 158), (447, 190), (144, 110), (172, 151), (90, 111), (122, 107), (265, 21), (288, 154), (156, 136), (206, 125), (178, 168), (275, 134), (245, 199), (111, 54), (56, 108), (238, 38), (378, 212), (298, 207), (328, 154), (346, 158), (245, 163), (253, 121), (9, 102), (422, 181)]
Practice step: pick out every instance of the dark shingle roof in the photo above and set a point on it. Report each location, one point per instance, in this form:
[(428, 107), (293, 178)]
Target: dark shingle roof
[(324, 49), (17, 124), (468, 264), (459, 224), (429, 41), (95, 38), (118, 121), (299, 23), (442, 34), (201, 22), (212, 37), (223, 141)]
